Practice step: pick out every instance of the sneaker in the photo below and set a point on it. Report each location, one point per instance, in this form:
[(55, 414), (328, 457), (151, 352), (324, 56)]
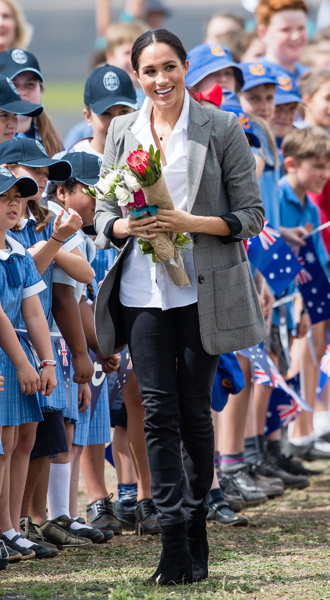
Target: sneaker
[(270, 468), (101, 514), (31, 531), (295, 467), (62, 539), (249, 490), (3, 556), (221, 513), (271, 486), (26, 553), (126, 515), (13, 555), (146, 518), (232, 494)]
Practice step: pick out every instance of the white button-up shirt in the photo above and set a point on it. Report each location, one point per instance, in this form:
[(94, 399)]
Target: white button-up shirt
[(144, 283)]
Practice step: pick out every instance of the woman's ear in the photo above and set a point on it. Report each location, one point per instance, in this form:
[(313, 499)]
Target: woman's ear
[(186, 67), (137, 77)]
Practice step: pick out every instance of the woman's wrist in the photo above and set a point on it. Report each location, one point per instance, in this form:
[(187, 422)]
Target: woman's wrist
[(120, 229)]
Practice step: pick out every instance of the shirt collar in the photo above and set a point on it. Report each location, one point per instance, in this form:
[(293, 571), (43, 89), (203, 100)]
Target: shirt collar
[(291, 195), (23, 222), (15, 248), (145, 113)]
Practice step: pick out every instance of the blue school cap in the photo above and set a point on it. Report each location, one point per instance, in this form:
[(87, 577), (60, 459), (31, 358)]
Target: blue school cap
[(26, 185), (255, 74), (286, 88), (11, 102), (229, 379), (231, 103), (31, 153), (109, 86), (209, 58), (13, 62), (85, 167)]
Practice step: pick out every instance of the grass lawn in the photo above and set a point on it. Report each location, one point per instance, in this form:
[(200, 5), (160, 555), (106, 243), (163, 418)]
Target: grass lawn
[(64, 96), (283, 554)]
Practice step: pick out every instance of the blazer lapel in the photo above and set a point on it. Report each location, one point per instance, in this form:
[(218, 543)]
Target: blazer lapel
[(131, 143), (199, 131)]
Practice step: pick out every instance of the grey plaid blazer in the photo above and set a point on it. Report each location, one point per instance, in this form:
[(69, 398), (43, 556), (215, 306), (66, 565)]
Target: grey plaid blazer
[(221, 179)]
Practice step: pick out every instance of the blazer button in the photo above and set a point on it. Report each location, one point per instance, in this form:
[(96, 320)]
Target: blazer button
[(201, 279), (196, 239), (10, 260)]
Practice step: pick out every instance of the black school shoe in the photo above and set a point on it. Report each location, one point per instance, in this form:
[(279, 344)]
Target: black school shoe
[(3, 556), (221, 513), (95, 535), (25, 553), (39, 551), (232, 494), (101, 514), (295, 467), (270, 467), (32, 532), (146, 518), (107, 533), (248, 488), (126, 515)]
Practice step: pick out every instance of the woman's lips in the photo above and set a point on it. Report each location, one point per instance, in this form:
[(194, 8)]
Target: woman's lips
[(164, 92)]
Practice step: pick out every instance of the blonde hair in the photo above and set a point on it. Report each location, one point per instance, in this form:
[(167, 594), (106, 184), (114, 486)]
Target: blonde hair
[(118, 34), (49, 136), (24, 30), (42, 215), (311, 142), (270, 136), (266, 9), (311, 82)]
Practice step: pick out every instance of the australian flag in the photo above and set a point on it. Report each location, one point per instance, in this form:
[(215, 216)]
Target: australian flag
[(269, 253), (283, 408), (324, 373), (313, 283)]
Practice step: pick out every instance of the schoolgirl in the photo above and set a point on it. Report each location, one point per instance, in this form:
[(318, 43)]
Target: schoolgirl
[(209, 64), (287, 100), (22, 68), (10, 106), (20, 284)]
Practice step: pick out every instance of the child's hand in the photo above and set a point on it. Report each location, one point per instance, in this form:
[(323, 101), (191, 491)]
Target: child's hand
[(29, 380), (304, 325), (48, 380), (2, 379), (84, 397), (109, 363), (83, 368), (62, 231)]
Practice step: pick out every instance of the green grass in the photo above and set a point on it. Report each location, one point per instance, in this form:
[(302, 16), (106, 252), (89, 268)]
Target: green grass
[(284, 554), (64, 97)]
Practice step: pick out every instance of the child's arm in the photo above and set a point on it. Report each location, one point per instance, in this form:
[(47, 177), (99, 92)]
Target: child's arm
[(109, 363), (67, 316), (75, 265), (27, 376), (2, 379), (84, 397), (37, 327), (260, 165), (102, 16)]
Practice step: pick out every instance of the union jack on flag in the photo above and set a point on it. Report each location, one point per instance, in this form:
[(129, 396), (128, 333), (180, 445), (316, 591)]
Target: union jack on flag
[(268, 236), (64, 353), (325, 362), (260, 375), (304, 276), (288, 412)]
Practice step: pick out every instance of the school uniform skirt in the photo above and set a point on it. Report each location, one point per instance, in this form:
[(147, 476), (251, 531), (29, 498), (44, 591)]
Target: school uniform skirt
[(97, 430)]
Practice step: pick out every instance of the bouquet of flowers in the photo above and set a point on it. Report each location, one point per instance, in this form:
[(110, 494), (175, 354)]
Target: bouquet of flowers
[(137, 187)]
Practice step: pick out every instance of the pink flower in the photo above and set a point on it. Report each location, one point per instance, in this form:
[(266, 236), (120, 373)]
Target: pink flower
[(138, 161), (139, 200)]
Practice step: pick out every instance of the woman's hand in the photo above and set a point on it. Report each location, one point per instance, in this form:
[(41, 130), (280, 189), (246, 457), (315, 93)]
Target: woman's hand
[(141, 227), (176, 221), (62, 231)]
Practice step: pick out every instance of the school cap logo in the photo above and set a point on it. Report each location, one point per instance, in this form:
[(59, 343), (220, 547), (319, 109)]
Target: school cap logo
[(5, 172), (19, 56), (257, 70), (244, 121), (217, 51), (111, 81), (285, 83), (40, 146), (12, 86), (99, 160)]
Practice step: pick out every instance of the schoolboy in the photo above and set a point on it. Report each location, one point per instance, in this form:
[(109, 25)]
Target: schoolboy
[(212, 63), (287, 99)]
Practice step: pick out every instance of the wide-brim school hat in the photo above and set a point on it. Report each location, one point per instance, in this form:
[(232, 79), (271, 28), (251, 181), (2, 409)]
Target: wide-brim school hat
[(256, 74), (109, 86), (245, 121), (209, 58), (31, 153), (85, 167), (10, 100), (16, 61), (26, 185), (286, 88)]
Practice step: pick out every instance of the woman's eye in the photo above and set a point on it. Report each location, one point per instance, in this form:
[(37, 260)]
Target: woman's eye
[(170, 67)]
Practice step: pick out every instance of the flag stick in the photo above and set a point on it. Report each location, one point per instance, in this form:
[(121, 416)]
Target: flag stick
[(324, 226)]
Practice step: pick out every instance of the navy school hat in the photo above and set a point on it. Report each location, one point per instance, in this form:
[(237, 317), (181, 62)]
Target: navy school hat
[(13, 62), (85, 167), (11, 102), (256, 74), (26, 185), (209, 58), (231, 103), (109, 86), (31, 153)]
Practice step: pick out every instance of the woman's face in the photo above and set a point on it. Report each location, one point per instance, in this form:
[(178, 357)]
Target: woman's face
[(286, 36), (162, 75), (7, 27), (283, 117), (225, 78), (8, 126), (318, 106)]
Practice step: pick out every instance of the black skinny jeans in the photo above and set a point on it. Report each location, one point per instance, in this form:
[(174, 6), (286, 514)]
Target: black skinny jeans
[(175, 376)]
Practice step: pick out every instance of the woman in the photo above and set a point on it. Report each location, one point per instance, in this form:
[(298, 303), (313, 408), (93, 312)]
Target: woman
[(15, 31), (176, 334)]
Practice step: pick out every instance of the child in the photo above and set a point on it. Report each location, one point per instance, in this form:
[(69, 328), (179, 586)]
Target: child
[(282, 27), (287, 99), (209, 64), (19, 289), (10, 107), (22, 68)]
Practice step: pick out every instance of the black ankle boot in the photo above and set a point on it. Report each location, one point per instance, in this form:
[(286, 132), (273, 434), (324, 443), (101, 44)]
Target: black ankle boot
[(175, 566), (199, 548)]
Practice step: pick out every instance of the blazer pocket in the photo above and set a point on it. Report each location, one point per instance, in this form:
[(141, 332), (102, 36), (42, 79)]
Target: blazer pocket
[(235, 304)]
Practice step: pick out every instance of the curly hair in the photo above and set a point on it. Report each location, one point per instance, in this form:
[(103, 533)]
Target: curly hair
[(266, 9)]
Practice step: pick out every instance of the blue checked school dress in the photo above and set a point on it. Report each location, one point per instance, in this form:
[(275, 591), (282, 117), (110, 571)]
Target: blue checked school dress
[(97, 430), (28, 236), (19, 279)]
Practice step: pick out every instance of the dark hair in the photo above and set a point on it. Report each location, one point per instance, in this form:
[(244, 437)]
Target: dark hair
[(70, 185), (157, 36)]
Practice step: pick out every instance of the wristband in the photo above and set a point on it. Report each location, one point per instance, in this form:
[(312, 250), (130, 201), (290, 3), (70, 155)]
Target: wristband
[(47, 363), (56, 240)]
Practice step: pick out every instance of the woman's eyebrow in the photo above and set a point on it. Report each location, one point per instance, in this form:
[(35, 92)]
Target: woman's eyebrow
[(163, 64)]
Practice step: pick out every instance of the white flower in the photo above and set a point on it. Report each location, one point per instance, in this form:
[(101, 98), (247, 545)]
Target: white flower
[(112, 177), (131, 182), (104, 186), (123, 196)]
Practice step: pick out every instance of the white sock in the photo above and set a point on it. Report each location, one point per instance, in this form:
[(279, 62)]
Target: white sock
[(321, 422), (10, 533), (302, 441), (76, 525), (59, 490)]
